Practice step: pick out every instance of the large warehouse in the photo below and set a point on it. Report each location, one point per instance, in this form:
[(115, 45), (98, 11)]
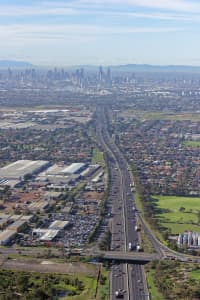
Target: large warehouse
[(56, 170), (74, 168), (15, 172), (62, 176)]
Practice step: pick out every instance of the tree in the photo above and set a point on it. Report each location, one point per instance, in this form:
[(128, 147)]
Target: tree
[(198, 216), (182, 209)]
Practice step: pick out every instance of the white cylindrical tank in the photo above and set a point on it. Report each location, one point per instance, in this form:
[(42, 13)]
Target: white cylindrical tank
[(180, 240)]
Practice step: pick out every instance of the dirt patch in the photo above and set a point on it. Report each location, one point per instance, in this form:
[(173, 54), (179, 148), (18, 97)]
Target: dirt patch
[(50, 267), (92, 195), (21, 200)]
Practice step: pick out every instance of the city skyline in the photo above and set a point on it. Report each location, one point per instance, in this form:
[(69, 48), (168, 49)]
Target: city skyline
[(106, 32)]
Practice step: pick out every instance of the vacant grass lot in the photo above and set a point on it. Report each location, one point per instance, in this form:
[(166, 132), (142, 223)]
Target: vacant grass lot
[(168, 211), (195, 274), (97, 157), (155, 115), (179, 228), (172, 116)]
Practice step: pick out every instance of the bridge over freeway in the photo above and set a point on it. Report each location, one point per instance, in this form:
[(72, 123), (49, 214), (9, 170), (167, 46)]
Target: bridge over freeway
[(125, 256)]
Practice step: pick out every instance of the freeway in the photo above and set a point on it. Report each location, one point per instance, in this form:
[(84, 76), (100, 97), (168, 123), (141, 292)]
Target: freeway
[(127, 278)]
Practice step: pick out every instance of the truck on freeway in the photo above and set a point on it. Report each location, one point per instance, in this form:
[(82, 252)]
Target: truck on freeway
[(119, 293), (129, 246)]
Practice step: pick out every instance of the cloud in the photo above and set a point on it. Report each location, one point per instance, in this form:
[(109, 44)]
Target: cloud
[(34, 10), (171, 5), (49, 31), (153, 15), (97, 7)]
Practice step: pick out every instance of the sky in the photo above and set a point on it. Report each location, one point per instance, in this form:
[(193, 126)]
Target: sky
[(100, 32)]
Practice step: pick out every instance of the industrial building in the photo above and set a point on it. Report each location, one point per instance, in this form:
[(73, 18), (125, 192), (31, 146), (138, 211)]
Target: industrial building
[(62, 177), (6, 236), (98, 177), (17, 225), (59, 225), (12, 224), (3, 223), (49, 234), (45, 234), (52, 195), (38, 206), (90, 170), (57, 170), (17, 171), (75, 168), (189, 239)]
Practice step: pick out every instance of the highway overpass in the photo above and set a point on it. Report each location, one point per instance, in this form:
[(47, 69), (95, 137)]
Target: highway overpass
[(123, 256)]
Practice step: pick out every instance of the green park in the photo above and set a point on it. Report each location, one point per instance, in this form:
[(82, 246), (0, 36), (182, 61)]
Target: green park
[(177, 214)]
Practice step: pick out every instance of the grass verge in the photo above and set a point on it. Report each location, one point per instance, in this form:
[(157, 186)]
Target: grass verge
[(153, 291)]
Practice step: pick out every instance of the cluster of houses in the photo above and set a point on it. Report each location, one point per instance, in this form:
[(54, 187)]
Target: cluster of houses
[(164, 158)]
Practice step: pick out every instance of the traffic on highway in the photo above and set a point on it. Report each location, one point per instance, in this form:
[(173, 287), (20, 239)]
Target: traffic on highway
[(127, 280)]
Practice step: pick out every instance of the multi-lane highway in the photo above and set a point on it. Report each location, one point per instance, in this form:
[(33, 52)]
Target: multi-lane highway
[(128, 279)]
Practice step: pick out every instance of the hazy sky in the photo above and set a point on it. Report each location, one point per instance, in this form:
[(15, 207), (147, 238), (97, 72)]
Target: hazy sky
[(103, 32)]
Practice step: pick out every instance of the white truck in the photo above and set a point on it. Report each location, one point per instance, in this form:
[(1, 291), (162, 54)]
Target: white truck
[(139, 248), (137, 228), (119, 294), (129, 246)]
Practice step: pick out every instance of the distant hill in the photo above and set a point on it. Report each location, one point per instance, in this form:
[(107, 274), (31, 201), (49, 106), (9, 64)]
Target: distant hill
[(14, 64), (144, 68), (156, 68)]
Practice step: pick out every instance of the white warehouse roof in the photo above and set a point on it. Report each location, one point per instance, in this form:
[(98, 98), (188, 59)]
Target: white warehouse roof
[(20, 168), (58, 224), (74, 168), (6, 236), (49, 235), (45, 234)]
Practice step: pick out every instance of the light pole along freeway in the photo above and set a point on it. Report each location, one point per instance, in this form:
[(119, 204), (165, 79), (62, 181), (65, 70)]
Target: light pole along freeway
[(128, 278)]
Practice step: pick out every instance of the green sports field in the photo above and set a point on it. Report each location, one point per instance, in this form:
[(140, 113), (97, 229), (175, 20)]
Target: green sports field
[(171, 216), (192, 144)]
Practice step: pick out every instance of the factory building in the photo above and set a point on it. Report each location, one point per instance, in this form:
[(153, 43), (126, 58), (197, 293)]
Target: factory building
[(3, 223), (45, 235), (62, 177), (6, 236), (17, 225), (59, 225), (16, 172), (56, 170), (38, 206), (50, 233), (75, 168), (189, 239)]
